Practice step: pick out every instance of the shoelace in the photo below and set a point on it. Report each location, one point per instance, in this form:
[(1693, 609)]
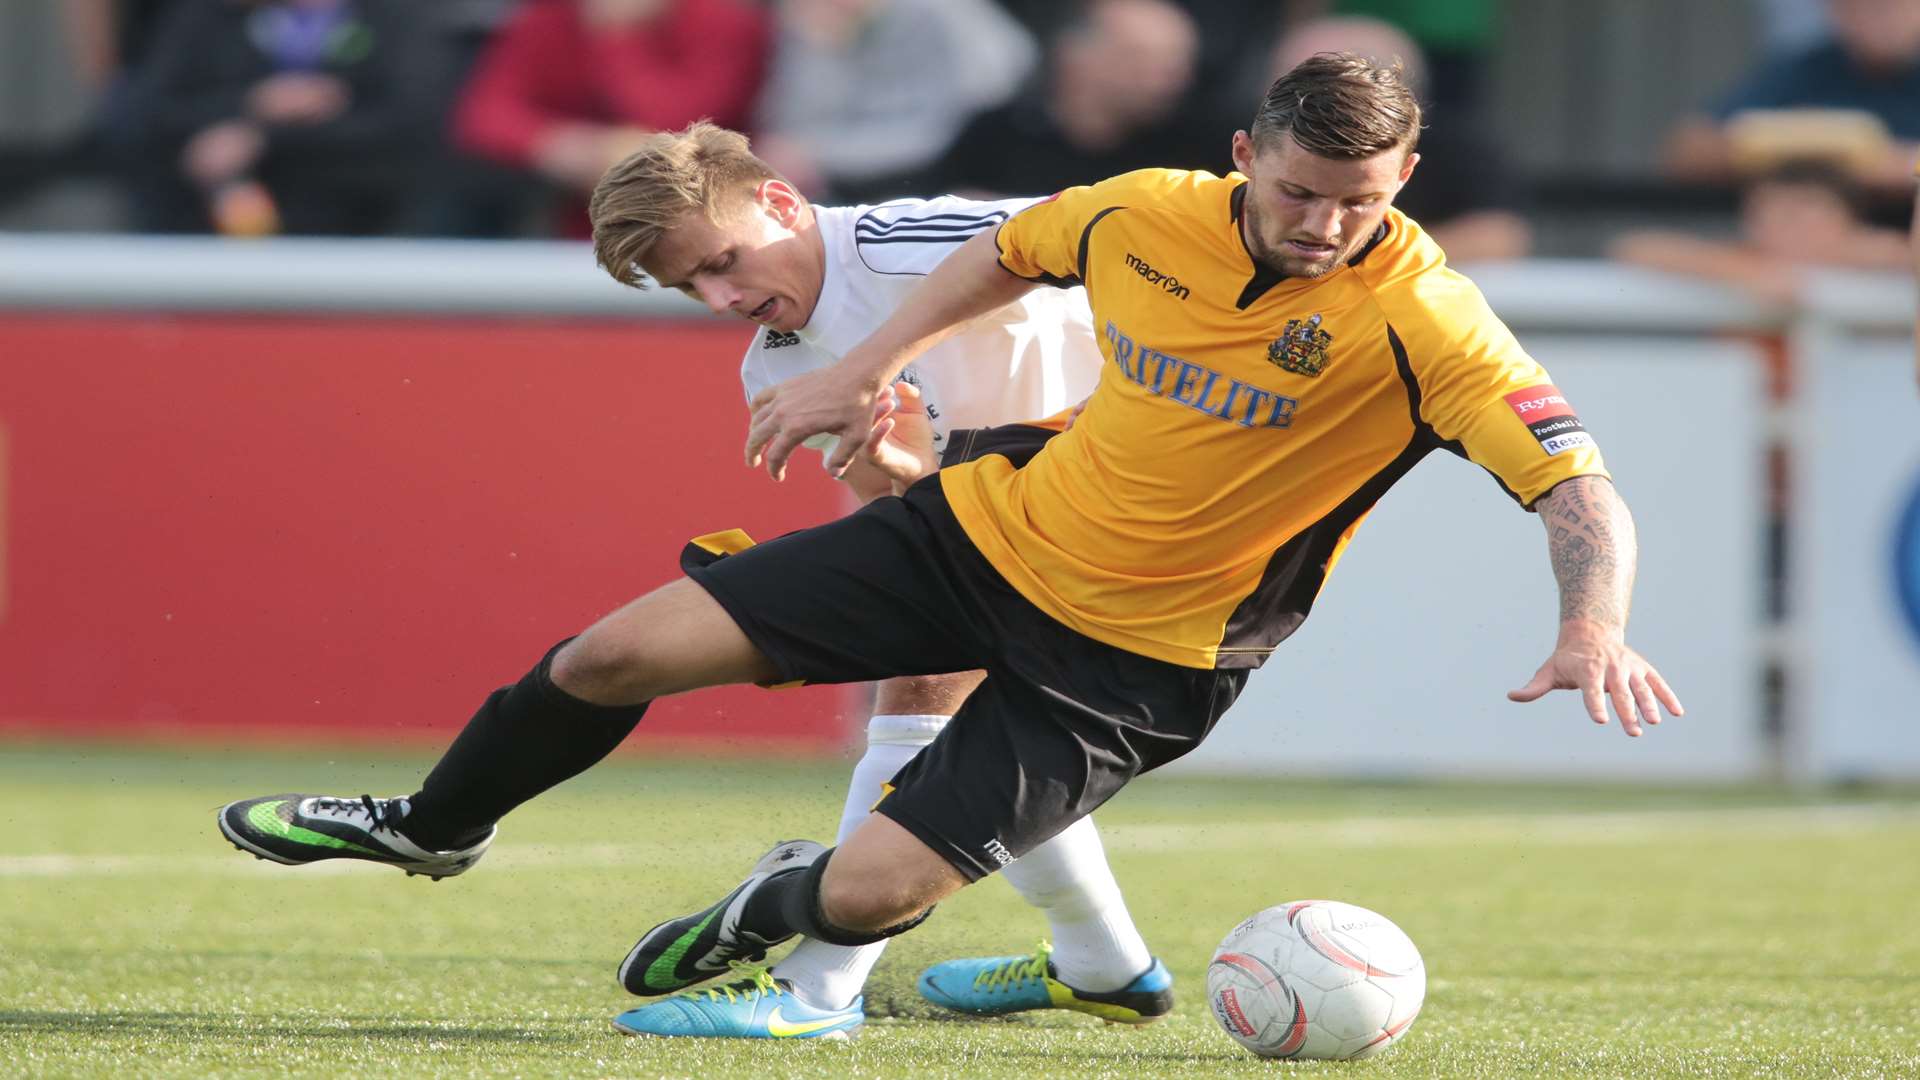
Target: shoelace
[(1016, 971), (378, 810), (756, 982)]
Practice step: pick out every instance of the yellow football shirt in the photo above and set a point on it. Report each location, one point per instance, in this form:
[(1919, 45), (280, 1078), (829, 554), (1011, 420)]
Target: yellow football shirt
[(1244, 423)]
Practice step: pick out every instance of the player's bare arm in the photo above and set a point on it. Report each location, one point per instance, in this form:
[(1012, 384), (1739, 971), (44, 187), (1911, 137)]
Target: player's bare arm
[(1590, 539), (839, 400)]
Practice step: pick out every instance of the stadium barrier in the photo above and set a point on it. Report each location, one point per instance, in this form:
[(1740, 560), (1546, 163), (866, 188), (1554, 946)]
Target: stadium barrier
[(310, 490), (328, 487)]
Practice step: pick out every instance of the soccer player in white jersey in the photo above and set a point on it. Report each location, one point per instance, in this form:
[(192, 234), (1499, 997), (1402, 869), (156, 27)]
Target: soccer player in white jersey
[(721, 226)]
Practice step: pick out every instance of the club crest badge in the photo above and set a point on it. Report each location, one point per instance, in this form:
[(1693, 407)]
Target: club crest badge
[(1302, 347)]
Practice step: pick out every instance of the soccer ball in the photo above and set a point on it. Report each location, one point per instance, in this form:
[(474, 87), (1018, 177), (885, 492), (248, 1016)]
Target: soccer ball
[(1316, 979)]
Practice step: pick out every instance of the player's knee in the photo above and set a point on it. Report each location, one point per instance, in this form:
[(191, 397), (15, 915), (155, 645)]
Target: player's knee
[(601, 668), (883, 878)]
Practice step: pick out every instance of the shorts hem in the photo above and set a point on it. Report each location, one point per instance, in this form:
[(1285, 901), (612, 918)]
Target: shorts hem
[(968, 866), (785, 670)]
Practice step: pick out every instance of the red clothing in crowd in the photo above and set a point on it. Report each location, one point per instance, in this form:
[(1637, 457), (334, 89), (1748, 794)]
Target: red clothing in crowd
[(698, 58)]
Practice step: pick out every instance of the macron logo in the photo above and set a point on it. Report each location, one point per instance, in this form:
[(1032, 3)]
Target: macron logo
[(999, 852), (1170, 284)]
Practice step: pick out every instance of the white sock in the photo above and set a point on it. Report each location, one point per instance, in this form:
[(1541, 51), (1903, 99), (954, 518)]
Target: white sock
[(830, 976), (1095, 944)]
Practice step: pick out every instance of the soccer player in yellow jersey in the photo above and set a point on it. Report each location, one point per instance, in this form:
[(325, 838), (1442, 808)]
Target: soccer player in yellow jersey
[(1280, 347)]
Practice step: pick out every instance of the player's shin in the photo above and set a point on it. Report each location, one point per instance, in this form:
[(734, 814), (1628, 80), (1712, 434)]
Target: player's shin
[(525, 739), (1095, 943)]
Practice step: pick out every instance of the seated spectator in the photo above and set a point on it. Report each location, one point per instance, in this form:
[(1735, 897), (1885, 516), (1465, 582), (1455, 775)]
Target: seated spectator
[(258, 116), (1803, 216), (1235, 37), (464, 195), (1463, 192), (1869, 64), (568, 87), (110, 36), (867, 93), (1116, 77)]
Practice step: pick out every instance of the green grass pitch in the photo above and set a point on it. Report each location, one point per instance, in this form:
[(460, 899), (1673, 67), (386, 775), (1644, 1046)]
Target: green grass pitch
[(1567, 930)]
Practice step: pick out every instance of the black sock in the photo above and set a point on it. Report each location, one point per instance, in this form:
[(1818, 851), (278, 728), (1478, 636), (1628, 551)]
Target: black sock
[(789, 903), (526, 738)]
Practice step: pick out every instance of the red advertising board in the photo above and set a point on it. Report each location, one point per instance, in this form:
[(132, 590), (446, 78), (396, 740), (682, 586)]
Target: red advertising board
[(352, 527)]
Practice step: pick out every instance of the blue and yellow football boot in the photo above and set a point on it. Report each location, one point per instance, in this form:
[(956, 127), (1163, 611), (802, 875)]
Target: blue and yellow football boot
[(997, 985), (758, 1006)]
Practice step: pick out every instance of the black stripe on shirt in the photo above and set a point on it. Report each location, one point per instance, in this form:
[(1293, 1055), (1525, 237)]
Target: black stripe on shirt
[(878, 226), (950, 238), (937, 232), (1291, 580)]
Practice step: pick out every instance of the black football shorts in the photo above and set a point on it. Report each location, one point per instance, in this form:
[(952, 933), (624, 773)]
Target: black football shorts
[(1061, 722)]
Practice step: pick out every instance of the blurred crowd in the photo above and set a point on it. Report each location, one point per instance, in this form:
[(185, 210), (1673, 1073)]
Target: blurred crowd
[(1822, 140), (490, 118)]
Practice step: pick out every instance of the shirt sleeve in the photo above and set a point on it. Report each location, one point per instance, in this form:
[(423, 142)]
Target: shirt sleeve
[(905, 240), (1043, 242), (1483, 395)]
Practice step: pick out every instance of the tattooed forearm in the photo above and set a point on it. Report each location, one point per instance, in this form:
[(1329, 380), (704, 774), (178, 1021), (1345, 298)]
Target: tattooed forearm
[(1591, 542)]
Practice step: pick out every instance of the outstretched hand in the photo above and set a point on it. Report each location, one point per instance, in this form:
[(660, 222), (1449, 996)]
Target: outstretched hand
[(901, 446), (1604, 669)]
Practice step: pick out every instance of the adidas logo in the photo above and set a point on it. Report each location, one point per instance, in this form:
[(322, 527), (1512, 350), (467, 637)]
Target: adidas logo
[(780, 339)]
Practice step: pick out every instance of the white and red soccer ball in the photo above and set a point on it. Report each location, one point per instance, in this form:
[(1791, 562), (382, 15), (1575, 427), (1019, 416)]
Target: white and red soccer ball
[(1316, 979)]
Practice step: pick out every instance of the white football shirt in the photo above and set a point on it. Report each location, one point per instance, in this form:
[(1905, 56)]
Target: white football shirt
[(1025, 361)]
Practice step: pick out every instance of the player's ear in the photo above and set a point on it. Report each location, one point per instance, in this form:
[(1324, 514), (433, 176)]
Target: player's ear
[(1243, 152), (781, 202), (1406, 170)]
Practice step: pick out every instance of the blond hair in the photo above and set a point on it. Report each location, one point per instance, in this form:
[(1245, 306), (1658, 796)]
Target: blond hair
[(704, 168)]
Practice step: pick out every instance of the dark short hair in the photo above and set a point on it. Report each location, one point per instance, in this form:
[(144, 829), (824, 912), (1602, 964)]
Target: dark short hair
[(1340, 105)]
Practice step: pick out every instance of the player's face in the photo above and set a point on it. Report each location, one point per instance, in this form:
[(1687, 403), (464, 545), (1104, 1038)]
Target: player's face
[(757, 262), (1306, 214)]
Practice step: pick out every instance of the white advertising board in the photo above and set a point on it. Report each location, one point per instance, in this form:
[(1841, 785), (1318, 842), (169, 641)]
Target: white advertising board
[(1856, 560)]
